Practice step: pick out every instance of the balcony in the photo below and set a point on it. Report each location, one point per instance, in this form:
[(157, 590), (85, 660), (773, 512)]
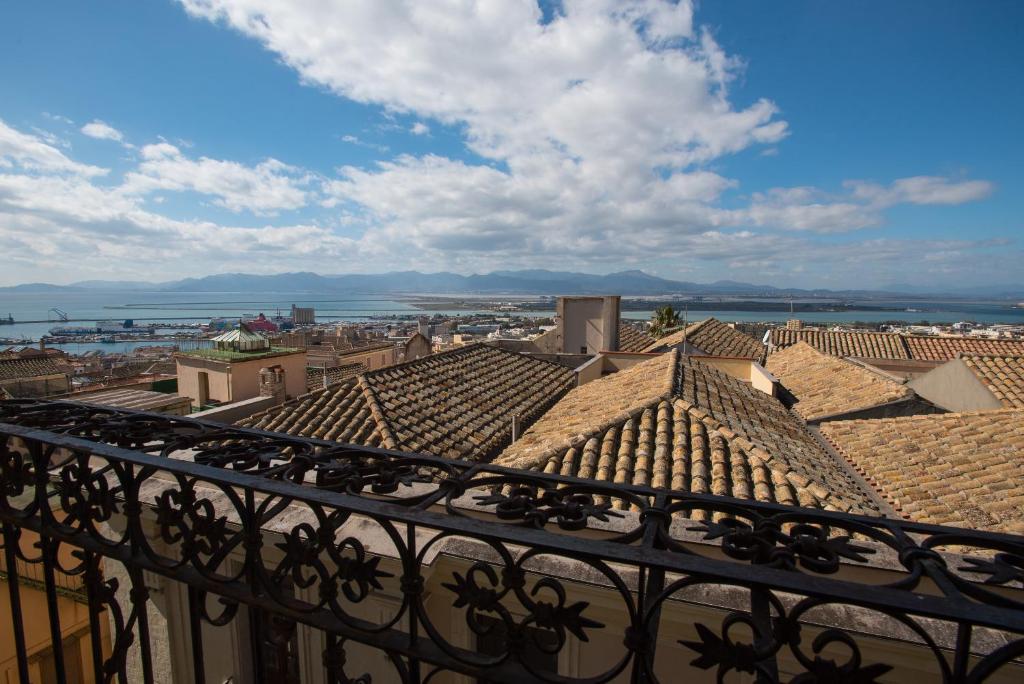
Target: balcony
[(213, 554)]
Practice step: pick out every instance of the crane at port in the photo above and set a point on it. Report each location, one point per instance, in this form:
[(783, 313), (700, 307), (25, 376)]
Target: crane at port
[(61, 315)]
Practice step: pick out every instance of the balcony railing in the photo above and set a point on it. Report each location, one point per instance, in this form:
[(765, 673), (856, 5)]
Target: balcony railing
[(211, 549)]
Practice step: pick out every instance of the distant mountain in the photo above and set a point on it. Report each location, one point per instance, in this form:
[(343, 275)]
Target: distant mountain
[(39, 287), (115, 285), (525, 282)]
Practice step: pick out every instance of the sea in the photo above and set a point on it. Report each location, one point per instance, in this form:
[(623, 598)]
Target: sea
[(175, 308)]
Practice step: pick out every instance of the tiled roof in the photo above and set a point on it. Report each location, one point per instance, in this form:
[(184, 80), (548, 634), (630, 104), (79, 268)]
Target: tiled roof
[(963, 469), (677, 423), (12, 369), (715, 338), (315, 375), (826, 385), (1003, 375), (138, 400), (945, 348), (458, 403), (871, 345), (877, 345), (632, 339)]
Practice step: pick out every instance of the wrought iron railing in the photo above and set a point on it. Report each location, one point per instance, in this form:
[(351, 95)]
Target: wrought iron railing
[(473, 572)]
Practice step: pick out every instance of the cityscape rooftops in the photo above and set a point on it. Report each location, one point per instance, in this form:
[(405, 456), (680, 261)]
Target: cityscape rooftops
[(458, 404), (632, 339), (675, 422), (714, 338), (826, 385)]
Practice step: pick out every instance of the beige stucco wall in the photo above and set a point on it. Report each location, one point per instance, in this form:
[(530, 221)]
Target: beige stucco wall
[(955, 387), (417, 347), (588, 325), (239, 379), (372, 358)]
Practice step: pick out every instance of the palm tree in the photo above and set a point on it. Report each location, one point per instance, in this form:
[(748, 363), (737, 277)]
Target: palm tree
[(665, 318)]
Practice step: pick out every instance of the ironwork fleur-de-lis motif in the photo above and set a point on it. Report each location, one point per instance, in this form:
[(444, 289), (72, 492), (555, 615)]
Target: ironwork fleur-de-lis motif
[(1004, 568), (355, 575), (183, 518), (765, 543), (571, 511), (86, 496), (16, 472)]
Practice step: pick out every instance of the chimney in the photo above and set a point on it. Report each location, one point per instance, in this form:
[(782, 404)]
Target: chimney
[(42, 344), (516, 428), (272, 384)]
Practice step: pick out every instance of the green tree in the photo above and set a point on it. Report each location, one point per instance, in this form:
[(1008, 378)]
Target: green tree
[(665, 318)]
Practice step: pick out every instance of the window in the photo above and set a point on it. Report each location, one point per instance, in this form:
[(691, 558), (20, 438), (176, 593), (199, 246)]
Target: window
[(495, 643), (278, 648)]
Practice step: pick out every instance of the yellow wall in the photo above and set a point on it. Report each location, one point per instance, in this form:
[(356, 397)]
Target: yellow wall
[(74, 623)]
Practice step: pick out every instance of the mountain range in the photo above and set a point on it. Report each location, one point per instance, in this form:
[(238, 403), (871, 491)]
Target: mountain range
[(524, 282)]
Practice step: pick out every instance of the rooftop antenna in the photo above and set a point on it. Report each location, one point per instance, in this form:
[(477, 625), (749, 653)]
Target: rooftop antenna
[(686, 311)]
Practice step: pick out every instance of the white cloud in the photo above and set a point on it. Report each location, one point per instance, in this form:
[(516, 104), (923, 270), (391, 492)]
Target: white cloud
[(265, 188), (102, 131), (613, 87), (356, 140), (31, 153), (419, 128), (921, 190)]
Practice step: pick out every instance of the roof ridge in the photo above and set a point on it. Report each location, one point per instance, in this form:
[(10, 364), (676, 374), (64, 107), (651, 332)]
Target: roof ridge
[(906, 345), (673, 372), (543, 457), (386, 431)]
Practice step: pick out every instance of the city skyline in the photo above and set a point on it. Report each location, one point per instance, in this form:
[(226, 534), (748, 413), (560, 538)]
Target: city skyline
[(798, 146)]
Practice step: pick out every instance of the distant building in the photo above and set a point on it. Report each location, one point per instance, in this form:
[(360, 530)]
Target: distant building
[(33, 376), (231, 370), (585, 325), (261, 324), (416, 347), (303, 315)]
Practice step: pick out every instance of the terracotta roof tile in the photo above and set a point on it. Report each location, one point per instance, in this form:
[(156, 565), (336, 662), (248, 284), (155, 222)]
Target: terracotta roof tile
[(31, 367), (457, 403), (632, 339), (871, 345), (826, 385), (946, 348), (877, 345), (963, 469), (714, 338), (677, 423), (315, 375), (1003, 375)]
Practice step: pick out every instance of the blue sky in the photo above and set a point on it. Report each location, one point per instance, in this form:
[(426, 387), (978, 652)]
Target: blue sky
[(792, 143)]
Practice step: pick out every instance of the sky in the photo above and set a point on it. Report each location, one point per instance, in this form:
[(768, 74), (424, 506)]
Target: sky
[(792, 143)]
